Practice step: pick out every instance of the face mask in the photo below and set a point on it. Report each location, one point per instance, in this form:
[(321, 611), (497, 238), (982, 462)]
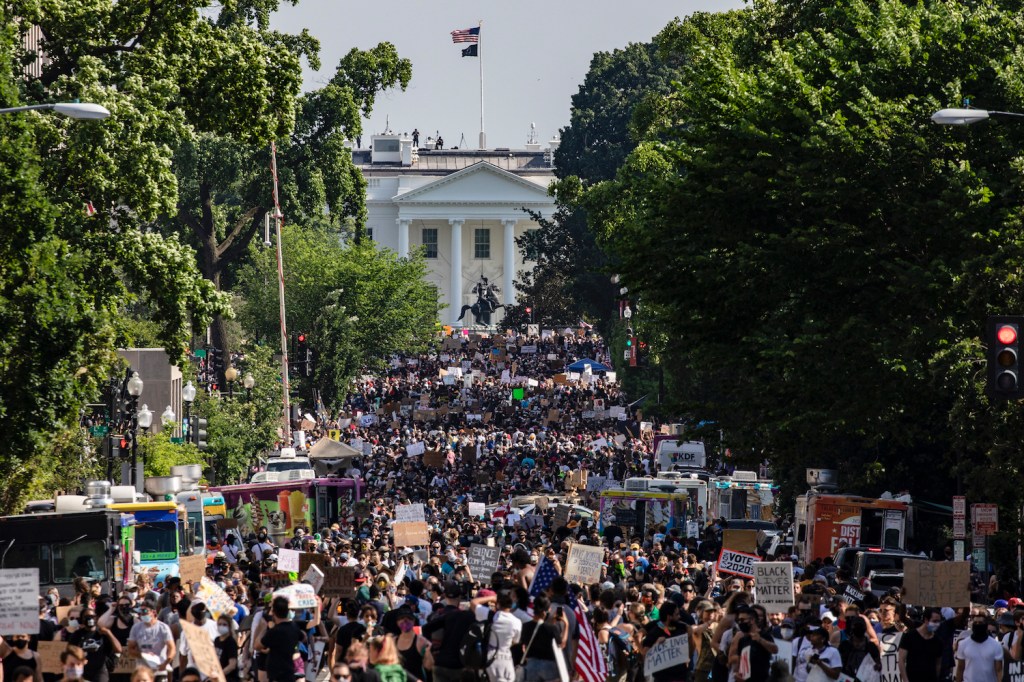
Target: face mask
[(405, 626), (223, 629), (147, 618), (291, 615), (20, 643), (746, 627), (932, 627), (787, 633), (90, 622), (72, 625), (263, 537), (979, 632), (74, 672)]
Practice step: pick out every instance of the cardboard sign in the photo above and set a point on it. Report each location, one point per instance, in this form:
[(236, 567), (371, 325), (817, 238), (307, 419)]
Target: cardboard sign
[(576, 479), (562, 512), (740, 540), (227, 524), (203, 653), (405, 513), (583, 564), (434, 458), (482, 562), (49, 656), (192, 568), (19, 600), (737, 563), (469, 454), (126, 665), (276, 579), (288, 560), (936, 583), (340, 582), (773, 582), (411, 534), (315, 577), (307, 559), (666, 654)]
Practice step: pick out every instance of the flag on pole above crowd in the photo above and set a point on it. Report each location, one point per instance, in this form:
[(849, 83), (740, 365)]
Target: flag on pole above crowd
[(466, 35), (471, 51)]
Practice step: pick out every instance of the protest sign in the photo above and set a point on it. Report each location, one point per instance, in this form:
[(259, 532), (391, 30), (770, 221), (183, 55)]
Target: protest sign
[(482, 562), (477, 509), (19, 601), (192, 568), (434, 458), (737, 563), (315, 577), (889, 647), (49, 656), (339, 581), (469, 454), (201, 647), (936, 583), (584, 564), (414, 449), (666, 654), (300, 596), (740, 540), (405, 513), (276, 579), (126, 665), (288, 560), (562, 512), (773, 582), (307, 559), (411, 533), (216, 600), (227, 524)]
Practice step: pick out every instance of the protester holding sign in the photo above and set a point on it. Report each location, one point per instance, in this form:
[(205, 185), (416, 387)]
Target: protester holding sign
[(667, 625), (281, 642), (152, 641)]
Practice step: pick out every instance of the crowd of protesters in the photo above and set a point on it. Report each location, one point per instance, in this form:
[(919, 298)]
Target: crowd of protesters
[(510, 419)]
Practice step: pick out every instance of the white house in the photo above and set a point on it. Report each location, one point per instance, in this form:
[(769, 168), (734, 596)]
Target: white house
[(463, 207)]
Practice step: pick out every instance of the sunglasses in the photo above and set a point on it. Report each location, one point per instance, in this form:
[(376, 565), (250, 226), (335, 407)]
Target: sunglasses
[(342, 677)]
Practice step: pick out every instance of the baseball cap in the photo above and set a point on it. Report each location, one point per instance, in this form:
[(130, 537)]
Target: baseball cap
[(1000, 604)]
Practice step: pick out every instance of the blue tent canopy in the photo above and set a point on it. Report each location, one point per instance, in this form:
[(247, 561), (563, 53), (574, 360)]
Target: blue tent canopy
[(595, 366)]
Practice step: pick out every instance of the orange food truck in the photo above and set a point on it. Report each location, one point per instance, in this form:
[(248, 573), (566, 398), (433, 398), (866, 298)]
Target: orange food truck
[(824, 518)]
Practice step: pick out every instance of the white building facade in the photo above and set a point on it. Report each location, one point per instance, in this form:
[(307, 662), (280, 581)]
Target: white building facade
[(464, 208)]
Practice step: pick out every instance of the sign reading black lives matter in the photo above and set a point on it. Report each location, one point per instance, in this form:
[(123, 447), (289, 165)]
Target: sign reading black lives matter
[(482, 562), (666, 654), (773, 582)]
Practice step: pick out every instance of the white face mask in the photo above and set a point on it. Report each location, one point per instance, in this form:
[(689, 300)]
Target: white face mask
[(223, 629)]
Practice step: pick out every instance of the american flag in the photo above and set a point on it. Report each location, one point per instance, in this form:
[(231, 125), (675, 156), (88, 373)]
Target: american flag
[(466, 35), (545, 573), (590, 662)]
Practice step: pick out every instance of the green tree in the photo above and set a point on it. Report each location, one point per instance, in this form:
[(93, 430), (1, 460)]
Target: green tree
[(822, 256), (359, 304)]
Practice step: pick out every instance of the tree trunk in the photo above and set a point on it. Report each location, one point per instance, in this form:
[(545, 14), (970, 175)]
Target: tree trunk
[(210, 265)]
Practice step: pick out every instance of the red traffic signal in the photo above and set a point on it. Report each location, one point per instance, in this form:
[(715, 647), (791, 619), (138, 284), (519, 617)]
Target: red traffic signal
[(302, 338), (529, 310), (1002, 339)]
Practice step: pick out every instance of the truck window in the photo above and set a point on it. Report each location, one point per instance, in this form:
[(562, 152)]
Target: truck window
[(82, 559), (30, 556), (157, 541), (801, 533)]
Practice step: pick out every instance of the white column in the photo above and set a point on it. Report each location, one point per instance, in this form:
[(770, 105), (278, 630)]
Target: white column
[(509, 262), (455, 301), (403, 237)]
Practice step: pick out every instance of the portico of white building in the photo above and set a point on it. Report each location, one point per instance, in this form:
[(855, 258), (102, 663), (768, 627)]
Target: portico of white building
[(464, 209)]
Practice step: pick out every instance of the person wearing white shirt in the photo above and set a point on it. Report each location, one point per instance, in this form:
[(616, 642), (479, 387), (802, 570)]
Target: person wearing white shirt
[(979, 658), (819, 662), (505, 632)]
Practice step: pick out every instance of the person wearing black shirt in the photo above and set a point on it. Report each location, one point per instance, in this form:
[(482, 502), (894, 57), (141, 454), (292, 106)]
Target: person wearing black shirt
[(226, 647), (539, 639), (343, 636), (751, 656), (667, 626), (920, 653), (279, 643), (99, 644), (454, 623)]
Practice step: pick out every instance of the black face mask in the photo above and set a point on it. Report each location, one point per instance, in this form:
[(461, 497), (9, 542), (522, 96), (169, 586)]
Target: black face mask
[(979, 632), (19, 643), (746, 626)]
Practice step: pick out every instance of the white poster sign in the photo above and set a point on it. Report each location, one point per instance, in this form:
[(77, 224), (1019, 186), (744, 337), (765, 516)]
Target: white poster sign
[(288, 560), (584, 564), (406, 513), (773, 581), (19, 601), (667, 654)]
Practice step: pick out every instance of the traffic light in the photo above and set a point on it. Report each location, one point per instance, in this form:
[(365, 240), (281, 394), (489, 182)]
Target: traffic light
[(1003, 340), (307, 365), (197, 432), (216, 360), (629, 337)]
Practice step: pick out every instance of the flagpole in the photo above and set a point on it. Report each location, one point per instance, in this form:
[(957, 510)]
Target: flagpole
[(480, 56)]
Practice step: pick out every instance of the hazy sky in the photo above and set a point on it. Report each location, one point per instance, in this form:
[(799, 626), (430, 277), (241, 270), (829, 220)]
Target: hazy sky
[(535, 56)]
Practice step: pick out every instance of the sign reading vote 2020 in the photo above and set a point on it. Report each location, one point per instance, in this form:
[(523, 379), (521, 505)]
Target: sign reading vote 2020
[(737, 563)]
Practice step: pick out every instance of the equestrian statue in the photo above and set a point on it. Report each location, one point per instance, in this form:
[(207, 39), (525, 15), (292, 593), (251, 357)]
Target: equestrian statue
[(486, 302)]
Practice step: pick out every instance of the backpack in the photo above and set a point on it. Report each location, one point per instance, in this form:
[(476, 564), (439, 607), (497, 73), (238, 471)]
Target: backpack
[(475, 645)]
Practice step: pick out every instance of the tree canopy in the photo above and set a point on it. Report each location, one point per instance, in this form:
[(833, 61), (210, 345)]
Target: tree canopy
[(820, 256)]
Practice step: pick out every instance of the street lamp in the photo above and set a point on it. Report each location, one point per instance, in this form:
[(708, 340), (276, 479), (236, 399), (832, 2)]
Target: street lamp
[(188, 394), (135, 385), (168, 417), (77, 110), (966, 117), (230, 375), (248, 381)]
